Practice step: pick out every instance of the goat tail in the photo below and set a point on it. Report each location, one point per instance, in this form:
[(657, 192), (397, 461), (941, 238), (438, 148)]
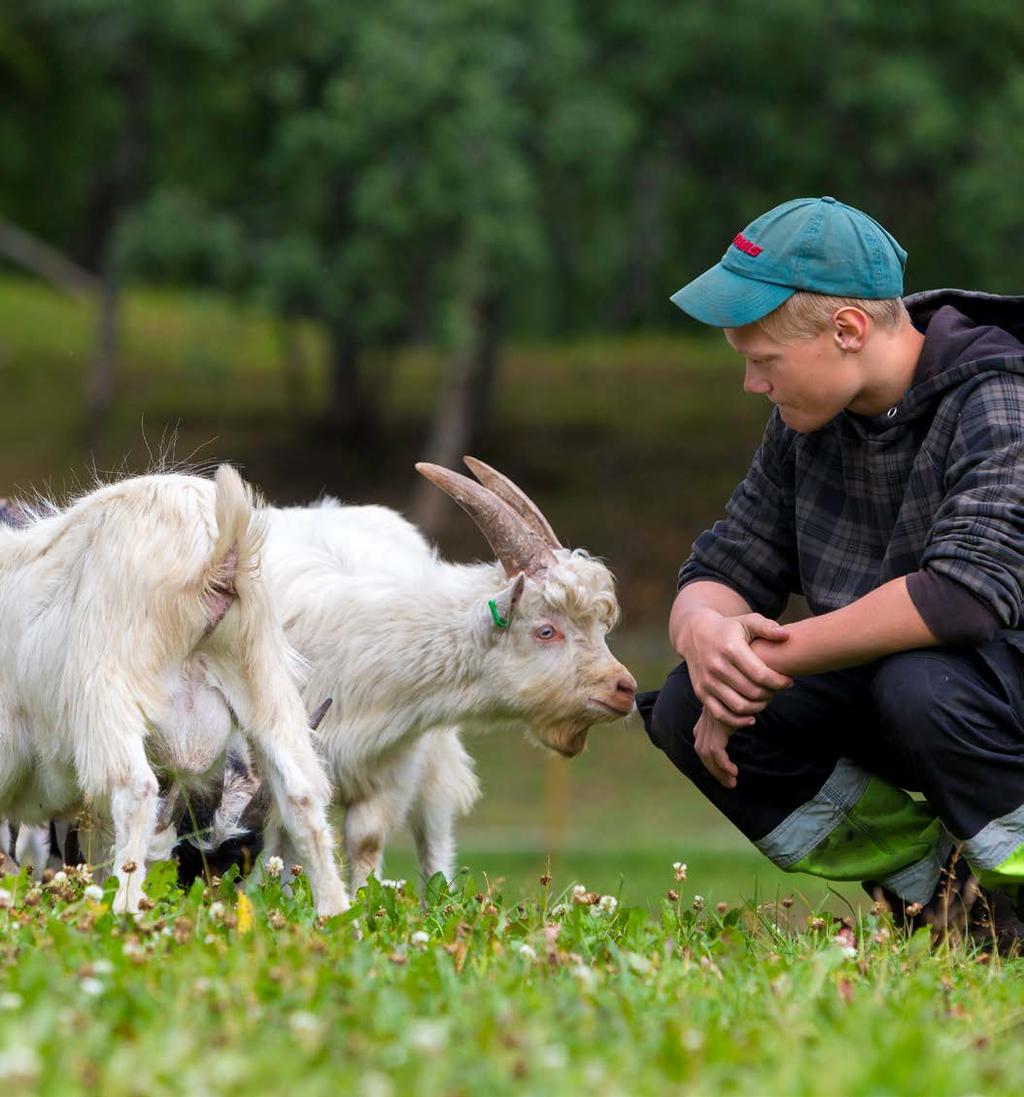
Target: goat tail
[(235, 513), (239, 538)]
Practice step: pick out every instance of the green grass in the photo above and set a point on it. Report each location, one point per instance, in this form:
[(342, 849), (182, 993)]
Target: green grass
[(488, 991)]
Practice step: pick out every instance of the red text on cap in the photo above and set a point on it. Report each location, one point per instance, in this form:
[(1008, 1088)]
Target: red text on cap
[(745, 245)]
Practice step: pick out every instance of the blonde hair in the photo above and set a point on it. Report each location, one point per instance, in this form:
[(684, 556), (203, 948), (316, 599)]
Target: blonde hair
[(805, 315)]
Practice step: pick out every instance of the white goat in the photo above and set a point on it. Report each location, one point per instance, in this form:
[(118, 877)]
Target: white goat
[(410, 646), (136, 632)]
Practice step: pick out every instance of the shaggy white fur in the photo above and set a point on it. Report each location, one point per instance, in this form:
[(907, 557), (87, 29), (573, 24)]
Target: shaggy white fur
[(406, 645)]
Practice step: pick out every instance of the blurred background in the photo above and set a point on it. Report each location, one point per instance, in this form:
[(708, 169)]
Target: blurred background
[(324, 239)]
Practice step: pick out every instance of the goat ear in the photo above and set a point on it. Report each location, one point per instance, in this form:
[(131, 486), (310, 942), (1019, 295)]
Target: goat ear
[(503, 605)]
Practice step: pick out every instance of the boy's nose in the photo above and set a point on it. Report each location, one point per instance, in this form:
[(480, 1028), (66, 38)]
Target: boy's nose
[(754, 384)]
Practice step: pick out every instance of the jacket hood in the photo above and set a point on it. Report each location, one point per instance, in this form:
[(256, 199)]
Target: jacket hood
[(988, 309), (966, 333)]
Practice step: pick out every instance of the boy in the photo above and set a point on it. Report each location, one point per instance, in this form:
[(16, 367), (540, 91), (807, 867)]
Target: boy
[(889, 490)]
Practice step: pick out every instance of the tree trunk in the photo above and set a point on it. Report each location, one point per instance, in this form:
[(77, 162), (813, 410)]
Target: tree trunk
[(293, 363), (121, 187), (351, 411), (463, 407), (491, 316), (101, 378)]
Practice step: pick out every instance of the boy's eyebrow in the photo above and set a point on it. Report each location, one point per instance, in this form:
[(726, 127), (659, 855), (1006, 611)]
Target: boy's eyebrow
[(763, 355)]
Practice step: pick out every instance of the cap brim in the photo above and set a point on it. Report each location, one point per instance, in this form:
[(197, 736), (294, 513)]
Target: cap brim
[(726, 300)]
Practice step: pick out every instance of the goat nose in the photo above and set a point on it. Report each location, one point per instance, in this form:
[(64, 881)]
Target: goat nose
[(627, 685)]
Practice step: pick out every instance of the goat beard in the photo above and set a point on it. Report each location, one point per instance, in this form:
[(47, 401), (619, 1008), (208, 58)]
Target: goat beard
[(567, 739)]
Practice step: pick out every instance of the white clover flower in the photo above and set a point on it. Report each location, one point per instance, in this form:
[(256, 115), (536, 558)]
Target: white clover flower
[(132, 949), (217, 910), (594, 1073), (306, 1026), (583, 973), (679, 868), (554, 1057), (94, 893), (579, 889), (420, 938), (557, 910), (59, 878), (10, 1000), (209, 939), (6, 900), (693, 1040), (91, 986), (396, 884), (375, 1084), (607, 903), (428, 1036), (102, 967), (528, 952), (274, 867), (19, 1063), (849, 952)]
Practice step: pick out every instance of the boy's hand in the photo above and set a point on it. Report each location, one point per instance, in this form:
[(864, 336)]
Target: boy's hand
[(728, 678), (710, 739)]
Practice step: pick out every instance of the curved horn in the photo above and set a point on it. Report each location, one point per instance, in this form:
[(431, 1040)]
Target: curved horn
[(516, 498), (319, 713), (517, 546)]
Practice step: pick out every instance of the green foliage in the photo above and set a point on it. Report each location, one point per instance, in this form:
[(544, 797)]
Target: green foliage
[(557, 990), (373, 164), (451, 172)]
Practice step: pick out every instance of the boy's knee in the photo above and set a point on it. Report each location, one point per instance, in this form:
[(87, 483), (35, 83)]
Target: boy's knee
[(901, 684), (918, 695)]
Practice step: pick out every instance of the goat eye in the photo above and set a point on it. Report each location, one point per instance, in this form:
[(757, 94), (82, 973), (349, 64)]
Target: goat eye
[(545, 632)]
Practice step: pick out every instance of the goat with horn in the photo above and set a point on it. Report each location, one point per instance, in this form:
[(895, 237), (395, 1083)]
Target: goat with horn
[(413, 648)]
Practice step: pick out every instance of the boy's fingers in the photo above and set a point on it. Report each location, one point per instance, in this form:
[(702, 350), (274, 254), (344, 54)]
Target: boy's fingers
[(752, 697), (725, 715), (737, 704), (758, 673), (724, 770), (764, 628)]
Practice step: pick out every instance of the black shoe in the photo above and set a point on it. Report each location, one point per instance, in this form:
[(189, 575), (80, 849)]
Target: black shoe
[(961, 908), (996, 924), (949, 908)]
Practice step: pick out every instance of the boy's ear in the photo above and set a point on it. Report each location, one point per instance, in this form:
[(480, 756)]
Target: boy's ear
[(503, 605), (850, 327)]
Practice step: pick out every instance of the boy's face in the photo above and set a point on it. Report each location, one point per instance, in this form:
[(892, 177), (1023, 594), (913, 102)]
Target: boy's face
[(810, 381)]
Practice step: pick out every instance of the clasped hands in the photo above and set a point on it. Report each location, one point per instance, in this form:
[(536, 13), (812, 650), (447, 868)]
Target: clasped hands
[(730, 680)]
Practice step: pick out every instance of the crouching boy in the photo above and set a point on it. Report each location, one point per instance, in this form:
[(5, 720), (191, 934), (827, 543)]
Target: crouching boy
[(888, 489)]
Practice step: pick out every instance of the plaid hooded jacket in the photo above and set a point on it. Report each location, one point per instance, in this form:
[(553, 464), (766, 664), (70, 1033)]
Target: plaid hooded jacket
[(936, 482)]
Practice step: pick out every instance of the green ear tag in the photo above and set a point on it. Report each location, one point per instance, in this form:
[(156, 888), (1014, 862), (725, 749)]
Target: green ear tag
[(498, 619)]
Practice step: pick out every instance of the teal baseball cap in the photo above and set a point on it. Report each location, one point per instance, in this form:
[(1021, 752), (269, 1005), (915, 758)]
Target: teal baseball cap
[(814, 244)]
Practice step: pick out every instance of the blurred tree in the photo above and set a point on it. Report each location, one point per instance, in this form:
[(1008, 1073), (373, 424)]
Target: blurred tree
[(450, 172), (78, 72)]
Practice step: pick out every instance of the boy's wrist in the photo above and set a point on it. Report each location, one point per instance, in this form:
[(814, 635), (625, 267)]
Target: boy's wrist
[(686, 623)]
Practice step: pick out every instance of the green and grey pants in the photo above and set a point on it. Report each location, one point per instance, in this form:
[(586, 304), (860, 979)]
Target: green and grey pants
[(827, 771)]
